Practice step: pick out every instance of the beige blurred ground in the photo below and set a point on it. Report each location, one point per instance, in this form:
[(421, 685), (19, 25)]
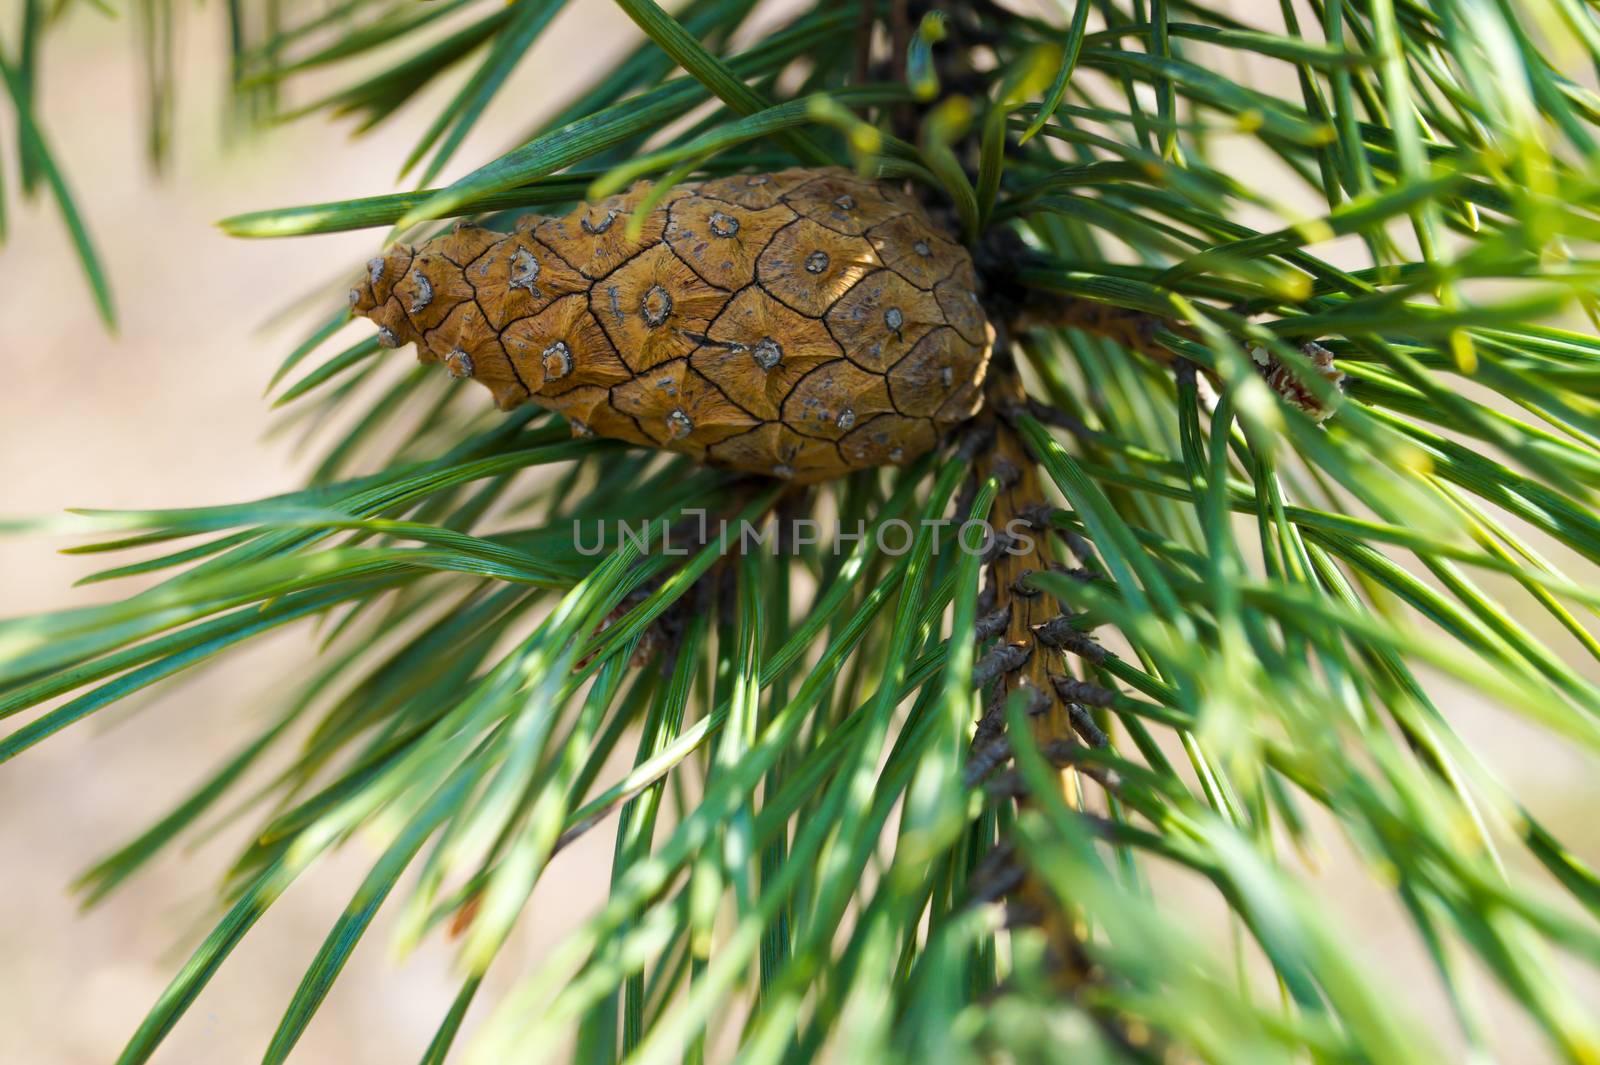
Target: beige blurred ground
[(170, 413)]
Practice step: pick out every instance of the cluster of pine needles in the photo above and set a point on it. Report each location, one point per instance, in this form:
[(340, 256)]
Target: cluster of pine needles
[(843, 827)]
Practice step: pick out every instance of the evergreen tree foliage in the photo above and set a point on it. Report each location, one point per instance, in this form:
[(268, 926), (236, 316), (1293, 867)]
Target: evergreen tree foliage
[(866, 812)]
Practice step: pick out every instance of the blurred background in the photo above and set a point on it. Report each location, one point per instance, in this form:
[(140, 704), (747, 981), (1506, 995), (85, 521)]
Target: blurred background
[(170, 412)]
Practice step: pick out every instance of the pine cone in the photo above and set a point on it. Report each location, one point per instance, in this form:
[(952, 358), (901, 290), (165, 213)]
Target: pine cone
[(799, 324)]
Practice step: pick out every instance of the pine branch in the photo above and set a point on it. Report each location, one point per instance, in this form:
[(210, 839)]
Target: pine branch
[(1263, 478)]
